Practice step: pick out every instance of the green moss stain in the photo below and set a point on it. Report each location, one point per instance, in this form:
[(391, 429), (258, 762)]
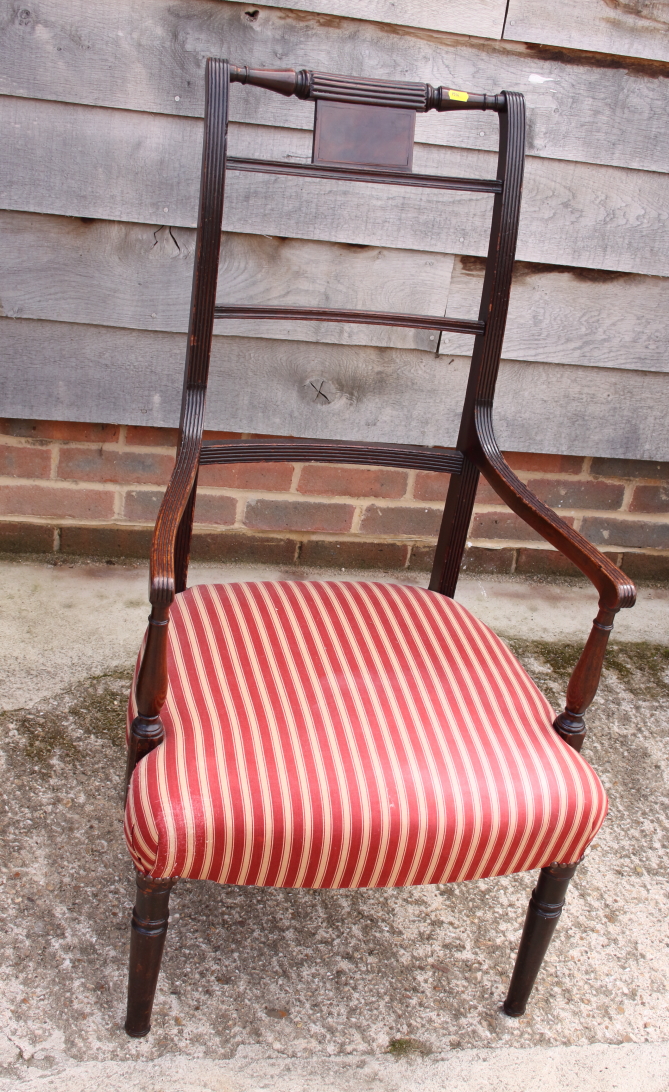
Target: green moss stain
[(95, 709), (403, 1048), (640, 666), (101, 707)]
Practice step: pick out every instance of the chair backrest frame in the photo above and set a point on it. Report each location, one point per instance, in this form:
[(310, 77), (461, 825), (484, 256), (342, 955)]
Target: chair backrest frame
[(476, 435)]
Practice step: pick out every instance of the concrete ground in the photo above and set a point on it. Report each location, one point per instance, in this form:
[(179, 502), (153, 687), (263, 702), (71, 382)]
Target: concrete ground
[(306, 990)]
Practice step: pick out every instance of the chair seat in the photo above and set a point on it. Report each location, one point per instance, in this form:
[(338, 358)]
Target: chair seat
[(326, 734)]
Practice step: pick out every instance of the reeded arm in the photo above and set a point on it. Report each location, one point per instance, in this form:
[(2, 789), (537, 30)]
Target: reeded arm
[(615, 589)]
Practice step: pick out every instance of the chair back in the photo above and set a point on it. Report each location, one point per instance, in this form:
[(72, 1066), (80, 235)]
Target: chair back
[(363, 132)]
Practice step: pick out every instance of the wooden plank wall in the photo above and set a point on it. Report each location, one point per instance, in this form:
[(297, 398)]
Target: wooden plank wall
[(100, 109)]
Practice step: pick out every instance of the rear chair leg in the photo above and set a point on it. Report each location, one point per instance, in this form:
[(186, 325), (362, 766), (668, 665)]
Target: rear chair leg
[(542, 917), (147, 940)]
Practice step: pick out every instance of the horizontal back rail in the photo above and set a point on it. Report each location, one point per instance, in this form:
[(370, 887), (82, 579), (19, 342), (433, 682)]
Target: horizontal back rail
[(366, 174), (361, 318), (409, 456)]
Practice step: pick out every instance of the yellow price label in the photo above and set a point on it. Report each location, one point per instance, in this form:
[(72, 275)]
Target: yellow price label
[(459, 96)]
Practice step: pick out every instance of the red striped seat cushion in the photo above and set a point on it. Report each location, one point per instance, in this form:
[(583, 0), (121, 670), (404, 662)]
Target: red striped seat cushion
[(351, 735)]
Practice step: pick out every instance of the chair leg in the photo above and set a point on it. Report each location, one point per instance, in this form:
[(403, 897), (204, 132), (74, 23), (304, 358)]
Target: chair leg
[(147, 940), (542, 916)]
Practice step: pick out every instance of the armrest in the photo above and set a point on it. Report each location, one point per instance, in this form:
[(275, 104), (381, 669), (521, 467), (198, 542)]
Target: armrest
[(146, 730), (162, 579), (615, 589)]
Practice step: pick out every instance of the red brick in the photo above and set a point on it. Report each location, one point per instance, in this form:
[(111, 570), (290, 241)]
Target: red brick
[(26, 538), (105, 541), (148, 436), (97, 464), (141, 505), (477, 559), (430, 486), (60, 430), (545, 563), (641, 534), (245, 436), (401, 520), (433, 487), (215, 508), (485, 494), (598, 495), (226, 546), (544, 464), (646, 566), (630, 468), (209, 437), (25, 462), (421, 558), (504, 525), (284, 515), (45, 501), (354, 554), (352, 481), (650, 498), (261, 476)]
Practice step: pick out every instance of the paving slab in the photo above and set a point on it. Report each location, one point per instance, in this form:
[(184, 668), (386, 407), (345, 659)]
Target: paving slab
[(626, 1068)]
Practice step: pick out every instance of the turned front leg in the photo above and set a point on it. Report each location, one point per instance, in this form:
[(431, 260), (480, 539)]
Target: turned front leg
[(584, 681), (147, 940), (542, 917)]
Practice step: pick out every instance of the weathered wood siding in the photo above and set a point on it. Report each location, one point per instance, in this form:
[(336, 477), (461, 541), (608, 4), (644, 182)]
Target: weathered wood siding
[(99, 111), (264, 386)]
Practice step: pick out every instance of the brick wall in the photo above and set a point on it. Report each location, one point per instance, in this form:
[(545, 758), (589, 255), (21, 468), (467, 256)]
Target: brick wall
[(95, 489)]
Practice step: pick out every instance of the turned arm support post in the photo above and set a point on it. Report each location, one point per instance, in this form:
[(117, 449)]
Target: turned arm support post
[(615, 589), (146, 730), (584, 681)]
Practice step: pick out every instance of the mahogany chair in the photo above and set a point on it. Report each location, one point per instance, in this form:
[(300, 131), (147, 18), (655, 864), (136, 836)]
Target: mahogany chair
[(354, 734)]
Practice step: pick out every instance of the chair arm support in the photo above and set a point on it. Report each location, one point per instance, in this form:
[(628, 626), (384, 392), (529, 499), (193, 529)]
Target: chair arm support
[(615, 589), (177, 494), (584, 681), (146, 730)]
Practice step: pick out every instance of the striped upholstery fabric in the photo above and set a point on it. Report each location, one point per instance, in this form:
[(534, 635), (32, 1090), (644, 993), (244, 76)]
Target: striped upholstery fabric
[(351, 735)]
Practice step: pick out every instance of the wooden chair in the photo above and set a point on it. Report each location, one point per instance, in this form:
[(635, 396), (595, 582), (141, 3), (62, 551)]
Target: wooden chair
[(326, 734)]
